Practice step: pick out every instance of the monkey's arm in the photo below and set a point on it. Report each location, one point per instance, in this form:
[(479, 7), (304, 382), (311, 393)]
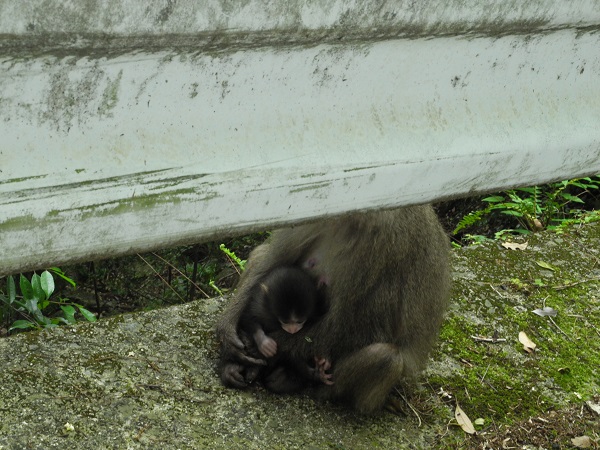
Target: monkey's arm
[(232, 347), (240, 374), (266, 345), (251, 324)]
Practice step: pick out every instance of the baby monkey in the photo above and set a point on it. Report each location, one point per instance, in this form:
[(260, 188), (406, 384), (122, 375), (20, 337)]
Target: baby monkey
[(286, 298)]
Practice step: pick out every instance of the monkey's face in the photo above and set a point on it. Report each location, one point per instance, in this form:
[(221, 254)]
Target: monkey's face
[(292, 325)]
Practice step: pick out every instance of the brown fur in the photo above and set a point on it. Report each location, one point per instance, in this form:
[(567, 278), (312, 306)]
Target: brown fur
[(387, 278)]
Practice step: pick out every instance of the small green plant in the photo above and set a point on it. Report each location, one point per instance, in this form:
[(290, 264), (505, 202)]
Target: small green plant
[(240, 262), (216, 288), (537, 208), (235, 261), (35, 302), (62, 275)]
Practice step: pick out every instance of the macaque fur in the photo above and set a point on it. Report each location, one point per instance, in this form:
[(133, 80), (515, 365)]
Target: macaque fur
[(388, 279), (285, 299)]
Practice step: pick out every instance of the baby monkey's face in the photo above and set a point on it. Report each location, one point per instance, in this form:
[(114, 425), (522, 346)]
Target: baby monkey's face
[(292, 324)]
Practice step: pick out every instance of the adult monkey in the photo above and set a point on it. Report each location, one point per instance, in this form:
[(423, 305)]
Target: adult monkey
[(387, 278)]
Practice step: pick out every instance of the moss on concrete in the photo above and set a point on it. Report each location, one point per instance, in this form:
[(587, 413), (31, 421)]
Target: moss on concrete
[(496, 291)]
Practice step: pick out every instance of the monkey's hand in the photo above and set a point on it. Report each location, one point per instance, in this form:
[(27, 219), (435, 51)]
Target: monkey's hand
[(267, 346), (232, 375), (237, 375), (233, 349), (322, 365)]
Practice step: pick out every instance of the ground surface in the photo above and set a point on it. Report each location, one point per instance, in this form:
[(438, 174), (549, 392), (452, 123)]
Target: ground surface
[(147, 379)]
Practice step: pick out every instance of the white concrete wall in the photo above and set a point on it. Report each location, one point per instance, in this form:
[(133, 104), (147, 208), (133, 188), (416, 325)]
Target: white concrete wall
[(127, 126)]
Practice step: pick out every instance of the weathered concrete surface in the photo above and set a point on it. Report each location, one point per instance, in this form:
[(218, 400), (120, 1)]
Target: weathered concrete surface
[(126, 126), (147, 380), (401, 17)]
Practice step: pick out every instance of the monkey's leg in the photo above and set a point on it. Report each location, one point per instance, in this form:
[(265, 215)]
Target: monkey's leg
[(365, 378), (284, 380)]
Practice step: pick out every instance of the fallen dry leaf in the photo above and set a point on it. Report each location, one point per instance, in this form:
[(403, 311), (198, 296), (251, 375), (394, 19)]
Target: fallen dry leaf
[(582, 442), (505, 444), (444, 395), (528, 344), (545, 311), (514, 245), (463, 420), (593, 406)]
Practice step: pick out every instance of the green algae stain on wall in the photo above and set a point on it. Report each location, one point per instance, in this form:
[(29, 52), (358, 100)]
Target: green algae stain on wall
[(110, 96)]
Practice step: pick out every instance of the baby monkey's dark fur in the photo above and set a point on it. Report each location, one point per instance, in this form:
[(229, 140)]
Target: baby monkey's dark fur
[(285, 299)]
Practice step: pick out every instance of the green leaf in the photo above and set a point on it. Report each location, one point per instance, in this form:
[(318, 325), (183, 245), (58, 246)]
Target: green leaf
[(510, 212), (545, 265), (493, 199), (470, 219), (69, 312), (26, 289), (510, 205), (31, 305), (11, 289), (36, 284), (59, 320), (47, 283), (33, 308), (62, 275), (212, 284), (515, 198), (22, 325), (583, 186), (241, 263), (571, 198), (43, 304), (87, 314)]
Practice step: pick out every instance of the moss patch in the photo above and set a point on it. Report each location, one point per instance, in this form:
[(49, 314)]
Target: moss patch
[(496, 291)]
